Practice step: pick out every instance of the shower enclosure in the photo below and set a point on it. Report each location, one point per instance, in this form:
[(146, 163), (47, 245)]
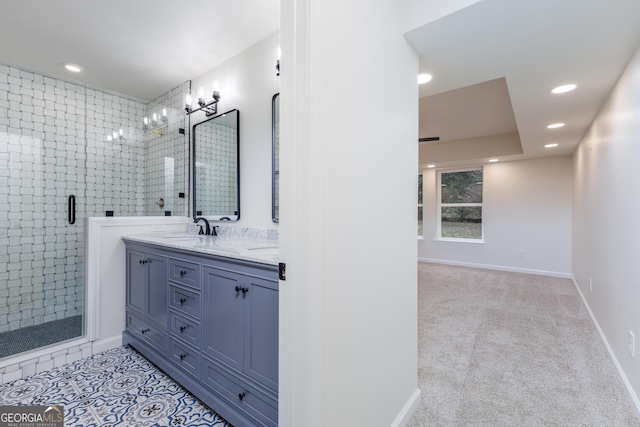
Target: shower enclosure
[(68, 152)]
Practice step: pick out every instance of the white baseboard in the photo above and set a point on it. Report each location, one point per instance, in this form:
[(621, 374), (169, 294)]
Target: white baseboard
[(407, 411), (632, 392), (99, 346), (499, 268)]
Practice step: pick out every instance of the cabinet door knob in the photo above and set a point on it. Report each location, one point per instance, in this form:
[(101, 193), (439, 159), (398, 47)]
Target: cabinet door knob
[(238, 288), (182, 301), (245, 290), (182, 328), (182, 356), (144, 331), (242, 395), (182, 273)]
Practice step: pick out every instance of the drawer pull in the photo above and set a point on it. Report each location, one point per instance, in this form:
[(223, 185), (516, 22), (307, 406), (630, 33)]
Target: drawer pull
[(182, 328), (143, 261), (238, 288), (144, 331), (182, 301), (182, 356), (245, 290), (183, 273), (242, 395)]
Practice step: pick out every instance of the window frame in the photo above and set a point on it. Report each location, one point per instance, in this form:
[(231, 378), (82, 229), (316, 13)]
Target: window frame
[(420, 205), (440, 205)]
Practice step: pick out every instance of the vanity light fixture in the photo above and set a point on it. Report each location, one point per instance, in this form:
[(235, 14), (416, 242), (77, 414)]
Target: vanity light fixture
[(157, 119), (555, 125), (116, 136), (210, 108)]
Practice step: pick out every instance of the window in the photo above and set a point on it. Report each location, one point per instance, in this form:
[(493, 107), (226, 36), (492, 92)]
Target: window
[(420, 205), (460, 204)]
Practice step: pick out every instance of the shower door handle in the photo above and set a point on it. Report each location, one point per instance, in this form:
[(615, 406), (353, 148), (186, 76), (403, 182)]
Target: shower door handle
[(71, 211)]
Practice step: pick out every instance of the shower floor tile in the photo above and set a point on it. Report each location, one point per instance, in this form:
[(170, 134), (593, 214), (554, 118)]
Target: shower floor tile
[(114, 388)]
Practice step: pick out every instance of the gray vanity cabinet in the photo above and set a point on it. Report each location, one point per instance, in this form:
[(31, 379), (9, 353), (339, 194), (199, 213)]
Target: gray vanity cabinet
[(147, 297), (240, 343), (215, 327), (242, 321)]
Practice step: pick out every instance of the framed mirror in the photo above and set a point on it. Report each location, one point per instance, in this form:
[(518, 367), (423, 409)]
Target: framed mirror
[(216, 167), (275, 176)]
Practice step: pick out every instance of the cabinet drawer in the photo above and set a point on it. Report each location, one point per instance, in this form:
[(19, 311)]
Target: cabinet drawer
[(155, 336), (262, 407), (185, 301), (187, 329), (185, 357), (184, 272)]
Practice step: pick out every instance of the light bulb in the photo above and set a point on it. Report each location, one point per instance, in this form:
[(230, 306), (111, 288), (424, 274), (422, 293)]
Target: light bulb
[(164, 112), (555, 125), (189, 101), (424, 78), (145, 121), (121, 133), (200, 92), (109, 138), (155, 117), (115, 135)]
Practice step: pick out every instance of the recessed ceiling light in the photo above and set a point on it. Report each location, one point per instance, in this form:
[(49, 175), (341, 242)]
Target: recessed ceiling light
[(550, 145), (424, 78), (431, 166), (555, 125), (73, 67), (493, 160), (564, 88)]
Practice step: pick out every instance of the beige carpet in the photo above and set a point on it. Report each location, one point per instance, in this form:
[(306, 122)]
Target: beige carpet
[(508, 349)]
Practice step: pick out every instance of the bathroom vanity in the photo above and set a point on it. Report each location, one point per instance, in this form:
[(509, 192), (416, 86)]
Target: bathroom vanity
[(204, 309)]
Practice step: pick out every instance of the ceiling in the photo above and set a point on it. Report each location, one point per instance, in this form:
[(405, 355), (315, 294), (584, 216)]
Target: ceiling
[(493, 62), (140, 49), (531, 46)]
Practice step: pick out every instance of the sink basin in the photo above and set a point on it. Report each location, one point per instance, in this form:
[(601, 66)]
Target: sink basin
[(184, 238), (263, 247), (216, 248)]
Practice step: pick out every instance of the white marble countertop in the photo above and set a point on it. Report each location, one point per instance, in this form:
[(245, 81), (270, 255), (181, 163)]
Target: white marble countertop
[(256, 249)]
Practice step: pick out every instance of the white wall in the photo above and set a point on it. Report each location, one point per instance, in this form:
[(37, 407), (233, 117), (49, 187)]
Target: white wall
[(606, 230), (247, 82), (348, 309), (527, 206), (106, 272), (420, 12)]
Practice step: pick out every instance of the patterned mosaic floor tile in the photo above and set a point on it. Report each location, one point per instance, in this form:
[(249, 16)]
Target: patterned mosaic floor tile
[(117, 388)]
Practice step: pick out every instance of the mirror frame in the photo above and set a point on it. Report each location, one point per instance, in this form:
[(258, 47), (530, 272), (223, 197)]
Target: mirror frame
[(193, 167), (275, 97)]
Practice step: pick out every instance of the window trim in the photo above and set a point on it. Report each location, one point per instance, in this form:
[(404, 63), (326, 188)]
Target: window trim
[(440, 205), (421, 205)]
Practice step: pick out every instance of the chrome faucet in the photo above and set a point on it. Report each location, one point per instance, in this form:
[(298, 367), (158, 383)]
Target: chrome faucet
[(208, 229)]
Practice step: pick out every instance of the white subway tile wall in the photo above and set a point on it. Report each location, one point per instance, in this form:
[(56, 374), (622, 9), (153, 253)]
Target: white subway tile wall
[(166, 155), (217, 165), (53, 144)]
